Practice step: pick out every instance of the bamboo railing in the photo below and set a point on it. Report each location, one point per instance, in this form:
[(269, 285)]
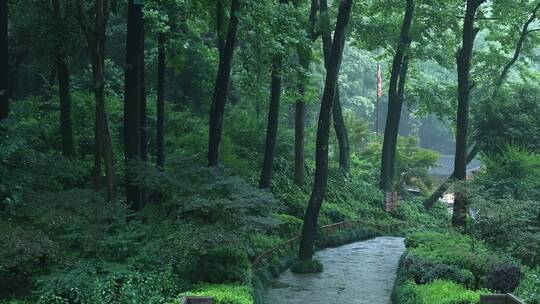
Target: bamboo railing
[(330, 228)]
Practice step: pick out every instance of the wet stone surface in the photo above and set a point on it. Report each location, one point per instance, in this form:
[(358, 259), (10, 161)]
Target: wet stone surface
[(358, 273)]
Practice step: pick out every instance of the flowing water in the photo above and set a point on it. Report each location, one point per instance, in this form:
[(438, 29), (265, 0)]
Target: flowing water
[(358, 273)]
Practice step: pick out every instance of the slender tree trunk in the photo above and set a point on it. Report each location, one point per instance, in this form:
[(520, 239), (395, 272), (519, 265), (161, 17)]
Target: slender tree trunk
[(430, 201), (299, 138), (144, 117), (103, 136), (519, 46), (321, 159), (4, 60), (221, 87), (63, 75), (464, 86), (395, 103), (160, 121), (273, 120), (339, 122), (133, 101), (299, 122), (66, 128)]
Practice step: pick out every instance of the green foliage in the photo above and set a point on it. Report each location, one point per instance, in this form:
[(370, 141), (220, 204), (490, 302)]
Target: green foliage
[(445, 292), (505, 196), (412, 162), (455, 250), (220, 265), (414, 214), (224, 294), (529, 289), (512, 118), (301, 267)]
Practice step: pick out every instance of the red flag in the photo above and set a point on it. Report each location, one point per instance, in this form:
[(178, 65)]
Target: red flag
[(379, 81)]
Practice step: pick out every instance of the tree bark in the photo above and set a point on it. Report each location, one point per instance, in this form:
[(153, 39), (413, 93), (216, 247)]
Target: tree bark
[(464, 86), (144, 117), (273, 121), (63, 75), (339, 122), (95, 37), (321, 159), (133, 102), (299, 138), (299, 124), (304, 58), (395, 102), (4, 60), (221, 87), (160, 120), (66, 128)]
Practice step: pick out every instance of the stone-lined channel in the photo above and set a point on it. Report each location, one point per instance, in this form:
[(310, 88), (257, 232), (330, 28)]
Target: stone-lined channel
[(358, 273)]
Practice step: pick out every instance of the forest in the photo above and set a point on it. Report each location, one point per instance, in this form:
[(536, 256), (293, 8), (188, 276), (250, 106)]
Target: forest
[(269, 151)]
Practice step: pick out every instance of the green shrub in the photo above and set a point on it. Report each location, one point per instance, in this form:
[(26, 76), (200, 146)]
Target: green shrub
[(453, 249), (220, 265), (445, 292), (224, 294), (504, 278), (301, 267), (405, 294), (289, 226)]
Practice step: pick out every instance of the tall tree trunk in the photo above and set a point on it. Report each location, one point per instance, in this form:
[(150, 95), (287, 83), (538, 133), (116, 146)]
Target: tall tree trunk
[(133, 101), (395, 103), (304, 58), (96, 43), (299, 123), (299, 138), (321, 159), (341, 134), (464, 86), (144, 117), (160, 119), (4, 60), (273, 120), (103, 137), (66, 128), (63, 75), (94, 29), (339, 122), (429, 202), (221, 87)]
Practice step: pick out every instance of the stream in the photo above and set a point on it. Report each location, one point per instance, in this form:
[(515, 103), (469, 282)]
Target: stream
[(358, 273)]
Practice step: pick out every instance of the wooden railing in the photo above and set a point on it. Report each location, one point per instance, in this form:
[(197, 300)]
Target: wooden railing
[(331, 228), (500, 299)]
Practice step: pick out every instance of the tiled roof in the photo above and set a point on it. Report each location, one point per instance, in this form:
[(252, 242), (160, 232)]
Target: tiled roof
[(445, 166)]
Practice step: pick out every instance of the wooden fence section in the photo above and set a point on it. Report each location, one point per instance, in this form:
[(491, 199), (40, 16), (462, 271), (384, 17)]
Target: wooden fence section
[(331, 228), (500, 299)]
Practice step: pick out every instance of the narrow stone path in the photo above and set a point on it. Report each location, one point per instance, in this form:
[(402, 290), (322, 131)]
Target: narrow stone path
[(358, 273)]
